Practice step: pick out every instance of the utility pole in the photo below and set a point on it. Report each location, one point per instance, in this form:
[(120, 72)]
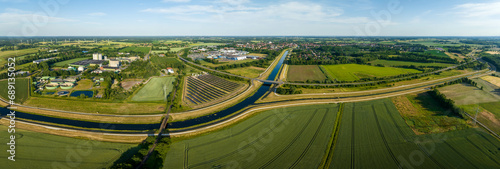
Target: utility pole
[(475, 117)]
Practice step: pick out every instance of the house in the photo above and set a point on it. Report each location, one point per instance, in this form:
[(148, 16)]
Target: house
[(81, 69), (170, 70), (41, 60), (162, 55)]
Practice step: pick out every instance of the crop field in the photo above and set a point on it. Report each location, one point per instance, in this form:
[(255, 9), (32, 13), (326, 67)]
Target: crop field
[(252, 72), (373, 135), (492, 79), (352, 72), (155, 89), (94, 106), (493, 107), (204, 63), (22, 90), (206, 44), (464, 94), (405, 63), (302, 73), (164, 62), (175, 49), (35, 150), (60, 64), (280, 138), (207, 88), (15, 53), (136, 49)]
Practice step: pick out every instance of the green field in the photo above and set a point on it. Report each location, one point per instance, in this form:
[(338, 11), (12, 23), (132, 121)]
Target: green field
[(373, 135), (252, 72), (15, 53), (136, 49), (21, 89), (352, 72), (405, 63), (206, 44), (204, 63), (154, 90), (493, 107), (302, 73), (437, 53), (280, 138), (38, 150), (464, 94), (60, 64), (96, 106), (176, 49)]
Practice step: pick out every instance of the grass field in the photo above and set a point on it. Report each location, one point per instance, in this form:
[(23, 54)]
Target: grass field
[(60, 64), (136, 49), (154, 89), (15, 53), (492, 79), (280, 138), (373, 135), (464, 94), (38, 150), (21, 89), (94, 106), (493, 107), (225, 62), (252, 72), (176, 49), (404, 63), (206, 44), (352, 72), (437, 53), (424, 115), (302, 73)]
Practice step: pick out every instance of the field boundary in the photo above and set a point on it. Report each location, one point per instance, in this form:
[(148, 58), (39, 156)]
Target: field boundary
[(328, 157)]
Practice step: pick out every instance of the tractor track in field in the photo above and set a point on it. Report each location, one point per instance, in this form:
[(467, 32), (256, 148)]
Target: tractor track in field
[(407, 140), (460, 154), (312, 140), (249, 144), (291, 143), (352, 136), (333, 140), (186, 150), (383, 137), (487, 154)]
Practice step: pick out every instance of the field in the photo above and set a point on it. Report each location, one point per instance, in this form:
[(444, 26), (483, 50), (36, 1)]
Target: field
[(464, 94), (208, 88), (302, 73), (84, 84), (61, 64), (280, 138), (15, 53), (352, 72), (38, 150), (136, 49), (252, 72), (164, 62), (206, 44), (424, 115), (94, 106), (493, 107), (373, 135), (129, 83), (437, 53), (175, 49), (22, 90), (404, 63), (155, 89), (492, 79), (226, 62)]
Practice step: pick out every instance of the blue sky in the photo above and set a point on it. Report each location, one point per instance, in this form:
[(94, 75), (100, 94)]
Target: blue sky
[(249, 18)]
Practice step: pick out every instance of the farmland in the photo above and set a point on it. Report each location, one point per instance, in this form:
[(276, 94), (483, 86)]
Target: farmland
[(492, 79), (405, 63), (22, 90), (424, 115), (15, 53), (61, 64), (280, 138), (437, 53), (204, 63), (155, 89), (352, 72), (464, 94), (94, 106), (144, 50), (302, 73), (208, 88), (164, 62), (45, 151), (252, 72), (373, 135)]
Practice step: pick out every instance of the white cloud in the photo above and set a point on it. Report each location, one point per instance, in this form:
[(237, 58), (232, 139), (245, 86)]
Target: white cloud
[(97, 14), (233, 10), (479, 9), (177, 1)]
